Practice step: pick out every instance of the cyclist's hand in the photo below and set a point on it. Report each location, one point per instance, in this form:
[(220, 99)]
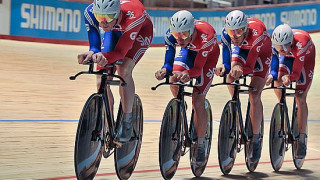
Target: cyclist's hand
[(286, 80), (161, 73), (100, 59), (236, 71), (83, 58), (220, 70), (181, 76), (269, 80)]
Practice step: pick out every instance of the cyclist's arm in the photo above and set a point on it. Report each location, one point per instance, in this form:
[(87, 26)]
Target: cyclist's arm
[(226, 50), (125, 42), (170, 44), (253, 54), (92, 26), (199, 62), (297, 67), (274, 66)]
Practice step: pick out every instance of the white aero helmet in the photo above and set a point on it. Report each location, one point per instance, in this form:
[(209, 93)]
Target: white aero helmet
[(107, 7), (235, 20), (182, 21), (282, 35)]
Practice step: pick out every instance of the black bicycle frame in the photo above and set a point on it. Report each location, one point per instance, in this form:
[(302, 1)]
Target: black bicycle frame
[(105, 73)]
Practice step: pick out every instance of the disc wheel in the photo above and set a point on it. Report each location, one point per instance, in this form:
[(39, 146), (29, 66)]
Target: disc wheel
[(170, 141), (126, 157), (227, 138), (89, 138)]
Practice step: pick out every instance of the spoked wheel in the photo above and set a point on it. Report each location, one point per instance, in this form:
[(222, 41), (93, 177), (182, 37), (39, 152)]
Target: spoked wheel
[(197, 170), (295, 132), (251, 166), (277, 137), (170, 141), (227, 139), (89, 139), (126, 157)]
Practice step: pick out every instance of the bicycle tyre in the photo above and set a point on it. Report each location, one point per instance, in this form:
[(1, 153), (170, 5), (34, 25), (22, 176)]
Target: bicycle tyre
[(170, 142), (227, 140), (198, 170), (126, 157), (88, 145), (295, 132), (251, 166), (276, 142)]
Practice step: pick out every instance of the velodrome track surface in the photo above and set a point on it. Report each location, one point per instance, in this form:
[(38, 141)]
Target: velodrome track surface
[(40, 106)]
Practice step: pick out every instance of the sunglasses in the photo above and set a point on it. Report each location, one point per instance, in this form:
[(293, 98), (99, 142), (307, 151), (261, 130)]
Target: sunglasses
[(280, 47), (181, 35), (236, 32), (104, 17)]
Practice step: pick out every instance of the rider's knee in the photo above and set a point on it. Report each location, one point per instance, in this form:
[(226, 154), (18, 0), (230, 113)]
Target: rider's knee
[(198, 101), (301, 101)]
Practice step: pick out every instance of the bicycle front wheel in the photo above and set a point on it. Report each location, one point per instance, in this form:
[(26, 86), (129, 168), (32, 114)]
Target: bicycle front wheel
[(196, 169), (170, 141), (277, 136), (126, 157), (227, 138), (89, 138)]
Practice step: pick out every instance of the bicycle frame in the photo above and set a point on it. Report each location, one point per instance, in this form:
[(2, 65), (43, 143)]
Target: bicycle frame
[(182, 106), (236, 101), (105, 73), (284, 113)]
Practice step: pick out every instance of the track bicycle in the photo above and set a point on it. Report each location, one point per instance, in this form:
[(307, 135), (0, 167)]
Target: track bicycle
[(97, 130), (232, 133), (284, 132), (176, 135)]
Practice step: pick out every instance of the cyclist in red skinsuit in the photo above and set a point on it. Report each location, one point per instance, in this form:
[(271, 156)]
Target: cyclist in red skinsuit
[(252, 50), (128, 34), (296, 52), (197, 59)]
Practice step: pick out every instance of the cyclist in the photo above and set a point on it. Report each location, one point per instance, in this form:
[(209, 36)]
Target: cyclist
[(197, 59), (128, 32), (251, 52), (294, 60)]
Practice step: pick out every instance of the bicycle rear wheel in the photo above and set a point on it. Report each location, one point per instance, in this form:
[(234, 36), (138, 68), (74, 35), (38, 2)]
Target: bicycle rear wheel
[(277, 137), (295, 133), (227, 138), (196, 169), (251, 166), (170, 141), (126, 157), (89, 138)]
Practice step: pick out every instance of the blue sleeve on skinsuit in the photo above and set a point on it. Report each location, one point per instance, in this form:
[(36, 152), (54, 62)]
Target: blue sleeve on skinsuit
[(274, 67), (226, 50), (170, 43), (92, 26)]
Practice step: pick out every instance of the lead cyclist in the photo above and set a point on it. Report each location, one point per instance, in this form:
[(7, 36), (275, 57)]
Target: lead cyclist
[(127, 33)]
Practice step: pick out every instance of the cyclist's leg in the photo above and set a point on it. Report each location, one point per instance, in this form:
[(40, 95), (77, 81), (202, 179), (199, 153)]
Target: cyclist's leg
[(198, 103), (256, 108), (139, 47), (304, 84)]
